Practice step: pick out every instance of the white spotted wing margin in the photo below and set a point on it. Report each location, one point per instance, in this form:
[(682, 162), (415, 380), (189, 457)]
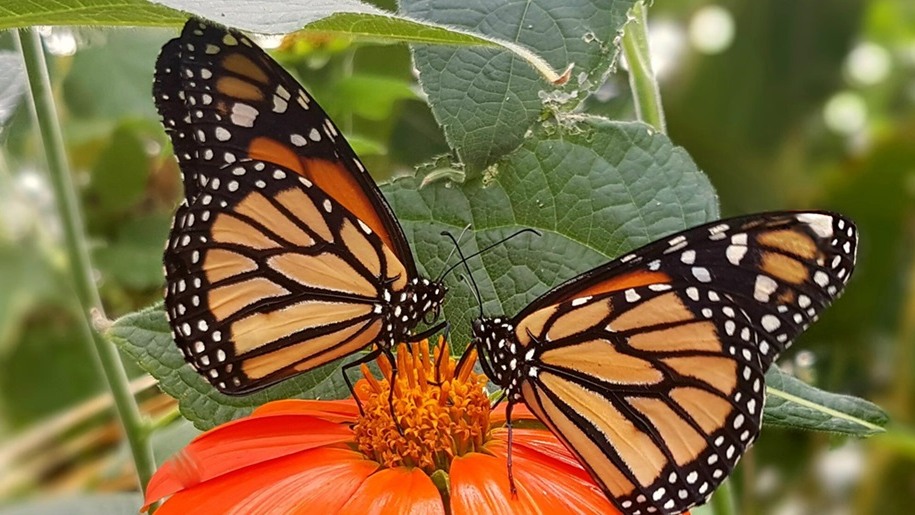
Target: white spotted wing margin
[(651, 368), (268, 277), (170, 101)]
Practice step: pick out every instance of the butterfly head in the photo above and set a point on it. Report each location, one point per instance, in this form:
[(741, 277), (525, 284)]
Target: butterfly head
[(429, 295)]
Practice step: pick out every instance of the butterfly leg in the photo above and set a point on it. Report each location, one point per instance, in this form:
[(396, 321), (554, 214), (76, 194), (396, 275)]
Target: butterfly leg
[(508, 425), (443, 355), (349, 384), (393, 361)]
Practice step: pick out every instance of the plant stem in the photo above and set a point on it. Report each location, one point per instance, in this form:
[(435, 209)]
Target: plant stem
[(723, 500), (80, 265), (642, 82)]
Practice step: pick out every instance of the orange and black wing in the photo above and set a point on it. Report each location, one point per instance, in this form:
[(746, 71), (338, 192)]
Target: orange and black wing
[(268, 276), (651, 368), (283, 254), (224, 100)]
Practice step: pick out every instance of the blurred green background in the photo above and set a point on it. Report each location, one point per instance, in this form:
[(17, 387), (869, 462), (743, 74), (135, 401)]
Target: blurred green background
[(784, 103)]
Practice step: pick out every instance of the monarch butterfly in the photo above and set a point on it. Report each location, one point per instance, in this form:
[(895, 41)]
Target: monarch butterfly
[(284, 255), (650, 368)]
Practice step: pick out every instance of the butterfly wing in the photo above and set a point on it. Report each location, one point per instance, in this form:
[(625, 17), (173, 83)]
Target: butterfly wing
[(223, 100), (269, 276), (651, 368), (284, 254)]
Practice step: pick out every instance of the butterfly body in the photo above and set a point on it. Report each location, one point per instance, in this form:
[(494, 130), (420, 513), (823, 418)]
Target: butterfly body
[(651, 368), (284, 255)]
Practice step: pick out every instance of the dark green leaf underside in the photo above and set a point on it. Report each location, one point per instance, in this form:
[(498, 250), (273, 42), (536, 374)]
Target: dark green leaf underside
[(797, 405)]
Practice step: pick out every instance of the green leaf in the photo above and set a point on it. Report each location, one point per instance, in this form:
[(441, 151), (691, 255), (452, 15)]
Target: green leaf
[(109, 504), (594, 190), (113, 79), (486, 99), (26, 13), (795, 404), (389, 27), (146, 337)]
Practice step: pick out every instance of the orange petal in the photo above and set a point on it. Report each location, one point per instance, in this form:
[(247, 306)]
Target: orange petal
[(239, 444), (396, 491), (479, 484), (319, 481), (344, 411), (544, 467), (542, 441)]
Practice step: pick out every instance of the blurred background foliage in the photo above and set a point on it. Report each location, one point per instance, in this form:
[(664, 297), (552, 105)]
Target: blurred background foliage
[(783, 103)]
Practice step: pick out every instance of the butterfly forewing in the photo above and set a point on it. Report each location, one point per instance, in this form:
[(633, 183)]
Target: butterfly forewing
[(651, 368), (240, 104)]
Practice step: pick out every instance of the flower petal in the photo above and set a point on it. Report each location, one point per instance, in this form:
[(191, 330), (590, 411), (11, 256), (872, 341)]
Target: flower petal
[(479, 484), (548, 478), (315, 481), (396, 491), (242, 443), (545, 468), (344, 411), (540, 440)]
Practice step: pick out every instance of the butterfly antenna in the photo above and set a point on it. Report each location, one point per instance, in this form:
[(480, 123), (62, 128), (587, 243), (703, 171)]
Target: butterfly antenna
[(476, 290), (450, 254), (485, 249)]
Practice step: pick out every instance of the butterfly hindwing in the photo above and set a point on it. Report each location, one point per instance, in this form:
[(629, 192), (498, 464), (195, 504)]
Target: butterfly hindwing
[(664, 400), (259, 289)]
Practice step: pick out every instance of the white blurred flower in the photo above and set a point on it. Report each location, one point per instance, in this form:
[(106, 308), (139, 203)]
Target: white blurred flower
[(868, 64), (711, 29), (839, 469)]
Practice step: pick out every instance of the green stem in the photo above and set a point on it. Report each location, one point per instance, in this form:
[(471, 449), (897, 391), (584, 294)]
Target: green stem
[(642, 82), (78, 252), (723, 500)]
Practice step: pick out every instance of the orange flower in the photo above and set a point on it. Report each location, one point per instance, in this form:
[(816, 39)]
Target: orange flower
[(323, 457)]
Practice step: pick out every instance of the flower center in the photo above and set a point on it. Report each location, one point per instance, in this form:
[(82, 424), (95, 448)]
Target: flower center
[(442, 412)]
